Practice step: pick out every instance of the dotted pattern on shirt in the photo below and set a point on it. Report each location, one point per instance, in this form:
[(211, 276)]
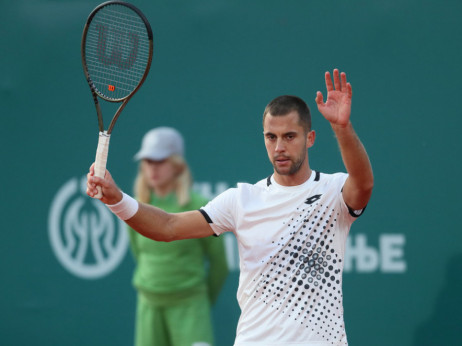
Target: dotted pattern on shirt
[(303, 280)]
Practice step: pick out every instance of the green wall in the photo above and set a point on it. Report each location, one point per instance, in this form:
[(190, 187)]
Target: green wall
[(216, 65)]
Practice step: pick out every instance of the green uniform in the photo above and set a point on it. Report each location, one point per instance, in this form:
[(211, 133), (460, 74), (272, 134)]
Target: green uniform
[(176, 282)]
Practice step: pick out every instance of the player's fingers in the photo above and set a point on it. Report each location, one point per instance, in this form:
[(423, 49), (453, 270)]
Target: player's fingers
[(92, 169), (319, 98), (91, 187), (101, 183), (329, 85), (337, 84), (93, 181), (97, 181), (90, 184), (350, 90), (343, 81), (90, 192)]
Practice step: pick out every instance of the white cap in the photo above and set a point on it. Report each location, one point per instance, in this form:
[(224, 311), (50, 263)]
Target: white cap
[(160, 143)]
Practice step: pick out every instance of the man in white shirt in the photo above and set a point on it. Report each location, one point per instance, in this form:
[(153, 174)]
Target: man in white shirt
[(291, 227)]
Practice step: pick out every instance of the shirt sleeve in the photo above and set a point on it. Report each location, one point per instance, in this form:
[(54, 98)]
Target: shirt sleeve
[(220, 212)]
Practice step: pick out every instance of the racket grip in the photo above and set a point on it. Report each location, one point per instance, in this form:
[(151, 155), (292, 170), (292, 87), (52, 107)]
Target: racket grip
[(101, 159)]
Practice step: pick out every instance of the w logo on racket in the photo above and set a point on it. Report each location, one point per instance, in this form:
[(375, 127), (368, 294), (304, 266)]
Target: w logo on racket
[(87, 239), (116, 41)]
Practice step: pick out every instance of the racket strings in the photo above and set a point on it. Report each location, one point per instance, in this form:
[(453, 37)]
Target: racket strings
[(117, 51)]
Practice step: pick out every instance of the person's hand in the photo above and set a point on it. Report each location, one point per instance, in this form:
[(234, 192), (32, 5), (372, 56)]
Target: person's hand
[(337, 108), (111, 193)]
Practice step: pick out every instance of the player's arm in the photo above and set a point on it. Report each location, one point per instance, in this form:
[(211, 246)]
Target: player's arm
[(358, 187), (337, 110), (148, 220), (156, 224)]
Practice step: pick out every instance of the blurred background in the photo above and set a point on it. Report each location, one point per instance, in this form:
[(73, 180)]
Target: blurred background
[(217, 63)]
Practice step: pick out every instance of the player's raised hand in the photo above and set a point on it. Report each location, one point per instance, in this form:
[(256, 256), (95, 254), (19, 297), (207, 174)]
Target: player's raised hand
[(111, 193), (337, 108)]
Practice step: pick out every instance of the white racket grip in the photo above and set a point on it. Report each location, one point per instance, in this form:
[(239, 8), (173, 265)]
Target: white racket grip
[(101, 159)]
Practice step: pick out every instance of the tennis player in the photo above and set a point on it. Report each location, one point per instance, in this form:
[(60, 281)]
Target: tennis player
[(291, 227)]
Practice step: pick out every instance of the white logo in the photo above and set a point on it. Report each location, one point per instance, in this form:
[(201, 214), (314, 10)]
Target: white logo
[(88, 240)]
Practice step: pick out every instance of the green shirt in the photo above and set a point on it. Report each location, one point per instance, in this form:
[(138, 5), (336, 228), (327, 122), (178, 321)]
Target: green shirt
[(179, 268)]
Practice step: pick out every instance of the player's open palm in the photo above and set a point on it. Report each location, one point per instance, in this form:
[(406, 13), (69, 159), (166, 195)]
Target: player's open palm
[(337, 108)]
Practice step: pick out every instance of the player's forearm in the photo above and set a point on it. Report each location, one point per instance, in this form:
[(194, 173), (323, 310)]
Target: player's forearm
[(354, 157), (152, 222), (159, 225)]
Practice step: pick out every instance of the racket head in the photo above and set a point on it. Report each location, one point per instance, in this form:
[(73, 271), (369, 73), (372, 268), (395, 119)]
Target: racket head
[(117, 48)]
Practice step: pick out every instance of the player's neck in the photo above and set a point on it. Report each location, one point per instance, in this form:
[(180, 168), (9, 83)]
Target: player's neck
[(298, 178)]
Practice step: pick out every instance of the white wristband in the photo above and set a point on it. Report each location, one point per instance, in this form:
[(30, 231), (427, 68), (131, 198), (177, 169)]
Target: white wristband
[(126, 208)]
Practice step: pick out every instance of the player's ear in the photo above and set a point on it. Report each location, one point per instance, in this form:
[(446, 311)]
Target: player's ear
[(310, 137)]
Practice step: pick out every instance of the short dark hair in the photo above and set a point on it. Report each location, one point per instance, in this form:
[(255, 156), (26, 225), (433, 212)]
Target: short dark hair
[(283, 105)]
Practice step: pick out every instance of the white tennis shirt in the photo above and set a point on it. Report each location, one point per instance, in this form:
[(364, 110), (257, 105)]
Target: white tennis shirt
[(291, 242)]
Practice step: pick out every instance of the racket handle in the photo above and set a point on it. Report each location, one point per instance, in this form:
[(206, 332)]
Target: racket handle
[(101, 159)]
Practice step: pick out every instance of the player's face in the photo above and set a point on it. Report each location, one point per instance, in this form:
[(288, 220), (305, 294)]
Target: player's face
[(160, 175), (286, 143)]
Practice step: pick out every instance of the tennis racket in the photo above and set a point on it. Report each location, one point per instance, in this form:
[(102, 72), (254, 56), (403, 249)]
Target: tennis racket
[(116, 50)]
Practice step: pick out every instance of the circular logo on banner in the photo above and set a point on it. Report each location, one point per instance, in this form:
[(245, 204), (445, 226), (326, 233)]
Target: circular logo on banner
[(88, 240)]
